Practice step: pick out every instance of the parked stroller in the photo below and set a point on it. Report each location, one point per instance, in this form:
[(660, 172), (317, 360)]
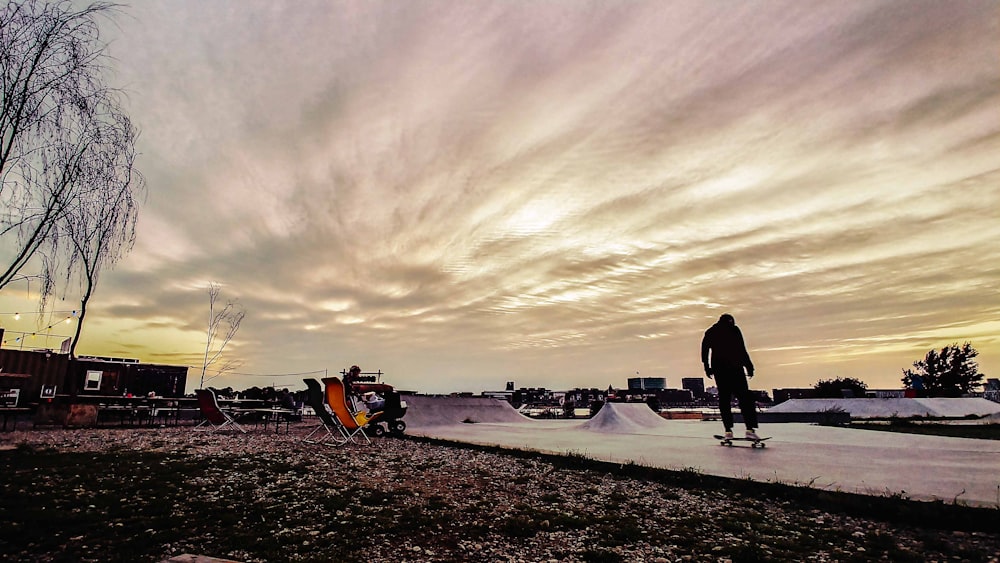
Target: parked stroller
[(367, 384)]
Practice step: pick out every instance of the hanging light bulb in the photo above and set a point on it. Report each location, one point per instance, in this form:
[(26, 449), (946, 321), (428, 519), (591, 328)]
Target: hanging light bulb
[(17, 316)]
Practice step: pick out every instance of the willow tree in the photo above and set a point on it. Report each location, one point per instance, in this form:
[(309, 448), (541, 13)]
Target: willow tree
[(100, 227), (61, 127)]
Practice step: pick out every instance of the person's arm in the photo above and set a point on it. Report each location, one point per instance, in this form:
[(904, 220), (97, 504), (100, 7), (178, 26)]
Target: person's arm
[(746, 355), (705, 347)]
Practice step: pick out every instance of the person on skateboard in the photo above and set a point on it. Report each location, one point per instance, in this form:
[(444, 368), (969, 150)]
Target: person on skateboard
[(725, 357)]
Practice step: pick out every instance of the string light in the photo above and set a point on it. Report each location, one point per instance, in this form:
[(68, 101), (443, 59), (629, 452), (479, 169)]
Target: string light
[(17, 314), (24, 337), (68, 319)]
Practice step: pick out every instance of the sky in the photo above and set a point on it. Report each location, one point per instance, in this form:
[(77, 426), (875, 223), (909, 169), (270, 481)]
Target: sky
[(559, 194)]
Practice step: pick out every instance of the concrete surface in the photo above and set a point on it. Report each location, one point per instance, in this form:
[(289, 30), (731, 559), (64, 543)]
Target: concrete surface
[(833, 458), (885, 408)]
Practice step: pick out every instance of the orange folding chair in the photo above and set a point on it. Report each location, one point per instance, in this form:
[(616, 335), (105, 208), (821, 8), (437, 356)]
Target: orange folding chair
[(353, 423), (335, 434)]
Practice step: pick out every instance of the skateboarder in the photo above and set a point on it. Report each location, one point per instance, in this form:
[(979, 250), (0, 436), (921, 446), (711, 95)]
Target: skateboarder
[(725, 357)]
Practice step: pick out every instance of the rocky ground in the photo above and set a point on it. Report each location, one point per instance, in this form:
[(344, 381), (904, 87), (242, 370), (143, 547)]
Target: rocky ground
[(149, 494)]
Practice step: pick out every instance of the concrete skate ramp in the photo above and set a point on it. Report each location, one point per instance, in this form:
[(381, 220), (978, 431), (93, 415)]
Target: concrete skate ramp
[(430, 410), (624, 418), (900, 408)]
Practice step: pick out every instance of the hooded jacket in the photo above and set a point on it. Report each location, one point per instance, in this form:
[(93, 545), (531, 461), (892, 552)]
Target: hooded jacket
[(728, 351)]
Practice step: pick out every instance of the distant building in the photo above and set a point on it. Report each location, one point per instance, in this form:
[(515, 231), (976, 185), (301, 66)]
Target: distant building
[(675, 396), (662, 397), (46, 374), (782, 395), (696, 385), (532, 396), (647, 383), (885, 393), (502, 395), (583, 397), (109, 376), (992, 390)]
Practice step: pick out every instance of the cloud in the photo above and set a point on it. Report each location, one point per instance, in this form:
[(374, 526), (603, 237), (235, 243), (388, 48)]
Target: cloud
[(561, 194)]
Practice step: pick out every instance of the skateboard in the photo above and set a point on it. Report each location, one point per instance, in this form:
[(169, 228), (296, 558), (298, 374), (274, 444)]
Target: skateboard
[(729, 442)]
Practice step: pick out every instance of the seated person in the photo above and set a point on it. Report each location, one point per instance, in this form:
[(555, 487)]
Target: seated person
[(350, 378), (286, 400), (373, 402)]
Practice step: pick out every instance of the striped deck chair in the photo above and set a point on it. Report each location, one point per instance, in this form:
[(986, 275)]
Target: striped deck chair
[(335, 434), (215, 417), (352, 422)]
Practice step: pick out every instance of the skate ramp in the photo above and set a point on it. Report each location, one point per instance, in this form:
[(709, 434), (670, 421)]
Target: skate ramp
[(431, 410), (624, 418), (893, 408), (961, 407)]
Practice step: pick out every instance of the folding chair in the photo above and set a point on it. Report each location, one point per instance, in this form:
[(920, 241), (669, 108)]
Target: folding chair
[(335, 433), (353, 423), (215, 417)]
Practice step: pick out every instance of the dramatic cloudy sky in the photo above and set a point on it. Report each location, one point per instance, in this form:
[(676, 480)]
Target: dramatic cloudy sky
[(561, 193)]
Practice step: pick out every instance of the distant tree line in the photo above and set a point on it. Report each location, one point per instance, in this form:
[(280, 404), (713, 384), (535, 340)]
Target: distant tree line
[(949, 372), (840, 387)]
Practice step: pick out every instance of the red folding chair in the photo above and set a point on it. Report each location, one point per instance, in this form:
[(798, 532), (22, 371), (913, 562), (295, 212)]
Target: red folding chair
[(215, 418)]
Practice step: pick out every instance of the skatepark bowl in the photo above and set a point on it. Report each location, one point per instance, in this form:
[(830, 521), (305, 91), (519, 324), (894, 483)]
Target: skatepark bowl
[(919, 467)]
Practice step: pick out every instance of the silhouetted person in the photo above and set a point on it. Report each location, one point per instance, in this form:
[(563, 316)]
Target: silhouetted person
[(725, 357), (286, 400), (917, 384), (350, 378)]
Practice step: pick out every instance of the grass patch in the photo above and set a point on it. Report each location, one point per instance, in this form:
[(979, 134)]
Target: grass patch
[(298, 504), (893, 509)]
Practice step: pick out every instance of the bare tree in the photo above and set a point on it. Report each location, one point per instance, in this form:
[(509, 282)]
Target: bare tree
[(56, 117), (100, 227), (225, 320)]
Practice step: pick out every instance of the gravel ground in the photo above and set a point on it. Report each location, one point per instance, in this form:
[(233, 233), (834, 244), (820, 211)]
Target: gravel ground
[(146, 495)]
